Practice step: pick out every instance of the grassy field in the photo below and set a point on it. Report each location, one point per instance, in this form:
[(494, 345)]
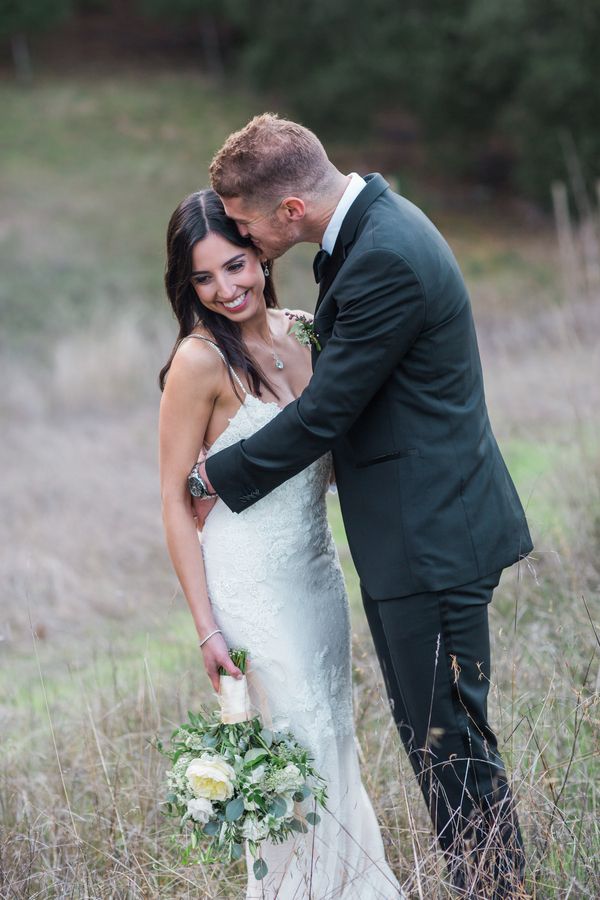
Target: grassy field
[(97, 651)]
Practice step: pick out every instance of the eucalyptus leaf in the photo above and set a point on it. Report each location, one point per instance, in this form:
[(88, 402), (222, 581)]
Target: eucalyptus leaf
[(211, 827), (297, 825), (303, 793), (236, 851), (234, 809), (313, 818), (267, 736), (260, 869), (278, 807), (253, 757)]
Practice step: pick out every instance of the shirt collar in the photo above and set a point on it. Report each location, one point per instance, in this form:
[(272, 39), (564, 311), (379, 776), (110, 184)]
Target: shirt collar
[(355, 186)]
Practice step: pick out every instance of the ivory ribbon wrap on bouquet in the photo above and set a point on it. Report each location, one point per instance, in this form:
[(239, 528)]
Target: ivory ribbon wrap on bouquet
[(234, 700)]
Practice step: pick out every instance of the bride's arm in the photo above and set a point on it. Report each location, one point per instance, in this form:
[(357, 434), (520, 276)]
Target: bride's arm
[(190, 393)]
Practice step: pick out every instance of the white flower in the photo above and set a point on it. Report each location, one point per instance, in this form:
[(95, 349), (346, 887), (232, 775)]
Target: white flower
[(254, 829), (286, 780), (211, 777), (257, 775), (200, 809), (294, 776)]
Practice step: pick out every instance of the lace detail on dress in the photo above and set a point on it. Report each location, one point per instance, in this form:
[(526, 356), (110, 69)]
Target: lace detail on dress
[(276, 587)]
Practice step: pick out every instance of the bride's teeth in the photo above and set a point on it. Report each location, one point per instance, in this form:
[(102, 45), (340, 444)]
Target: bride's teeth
[(237, 302)]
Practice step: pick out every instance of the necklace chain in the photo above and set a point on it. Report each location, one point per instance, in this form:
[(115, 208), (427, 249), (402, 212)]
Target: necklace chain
[(276, 358), (279, 364)]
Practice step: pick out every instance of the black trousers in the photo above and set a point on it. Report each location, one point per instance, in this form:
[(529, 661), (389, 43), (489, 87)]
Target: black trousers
[(434, 651)]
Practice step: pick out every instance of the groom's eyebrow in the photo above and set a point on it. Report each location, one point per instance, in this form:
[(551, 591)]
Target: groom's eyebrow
[(227, 263)]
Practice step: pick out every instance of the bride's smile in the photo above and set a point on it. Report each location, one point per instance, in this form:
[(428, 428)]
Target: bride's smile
[(229, 284)]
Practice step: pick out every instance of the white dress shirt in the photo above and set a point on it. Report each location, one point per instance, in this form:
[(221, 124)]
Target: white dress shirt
[(355, 186)]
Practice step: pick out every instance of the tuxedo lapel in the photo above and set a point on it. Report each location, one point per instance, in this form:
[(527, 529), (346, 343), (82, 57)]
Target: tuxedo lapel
[(375, 186)]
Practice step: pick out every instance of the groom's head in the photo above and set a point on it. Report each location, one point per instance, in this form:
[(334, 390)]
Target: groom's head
[(275, 180)]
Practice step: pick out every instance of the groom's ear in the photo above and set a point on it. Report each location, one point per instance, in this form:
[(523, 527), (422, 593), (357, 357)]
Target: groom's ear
[(293, 208)]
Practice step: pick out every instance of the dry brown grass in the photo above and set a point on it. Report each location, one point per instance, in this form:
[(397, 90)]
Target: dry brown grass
[(97, 652)]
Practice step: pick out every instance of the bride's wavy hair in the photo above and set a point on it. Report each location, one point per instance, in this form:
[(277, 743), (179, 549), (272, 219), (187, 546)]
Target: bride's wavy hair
[(198, 215)]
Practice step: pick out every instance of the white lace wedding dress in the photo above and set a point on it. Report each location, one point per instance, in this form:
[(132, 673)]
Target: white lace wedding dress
[(277, 589)]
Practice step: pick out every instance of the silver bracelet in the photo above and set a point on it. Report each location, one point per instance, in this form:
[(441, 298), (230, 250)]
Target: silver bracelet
[(208, 636)]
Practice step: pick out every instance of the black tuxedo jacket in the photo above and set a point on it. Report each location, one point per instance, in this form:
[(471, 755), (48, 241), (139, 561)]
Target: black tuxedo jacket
[(397, 396)]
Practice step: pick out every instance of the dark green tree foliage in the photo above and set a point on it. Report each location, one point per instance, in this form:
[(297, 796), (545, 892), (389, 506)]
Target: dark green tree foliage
[(497, 86), (210, 19), (21, 18), (329, 59)]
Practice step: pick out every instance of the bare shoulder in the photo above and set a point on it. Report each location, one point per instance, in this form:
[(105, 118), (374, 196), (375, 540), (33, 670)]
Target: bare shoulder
[(196, 366)]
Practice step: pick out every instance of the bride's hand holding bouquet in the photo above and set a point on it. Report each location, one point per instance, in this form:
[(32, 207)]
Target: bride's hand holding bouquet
[(217, 659), (234, 781)]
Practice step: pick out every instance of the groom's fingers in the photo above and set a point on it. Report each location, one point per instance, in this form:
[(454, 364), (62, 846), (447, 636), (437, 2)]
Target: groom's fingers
[(201, 509)]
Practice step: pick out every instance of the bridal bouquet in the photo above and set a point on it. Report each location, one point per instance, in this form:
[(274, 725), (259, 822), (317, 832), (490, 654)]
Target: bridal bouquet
[(233, 780)]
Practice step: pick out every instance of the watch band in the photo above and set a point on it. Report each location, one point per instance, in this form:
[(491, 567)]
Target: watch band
[(197, 485)]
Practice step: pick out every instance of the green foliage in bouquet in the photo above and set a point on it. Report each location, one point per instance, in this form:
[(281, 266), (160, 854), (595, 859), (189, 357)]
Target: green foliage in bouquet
[(239, 658), (234, 783)]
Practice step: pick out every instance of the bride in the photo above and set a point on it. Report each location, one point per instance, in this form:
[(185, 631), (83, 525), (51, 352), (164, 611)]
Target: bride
[(267, 579)]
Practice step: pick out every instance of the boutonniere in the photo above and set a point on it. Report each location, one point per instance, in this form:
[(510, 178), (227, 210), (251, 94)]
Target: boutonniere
[(303, 330)]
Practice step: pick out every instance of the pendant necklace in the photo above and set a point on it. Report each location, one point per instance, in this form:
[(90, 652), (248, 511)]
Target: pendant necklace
[(276, 358)]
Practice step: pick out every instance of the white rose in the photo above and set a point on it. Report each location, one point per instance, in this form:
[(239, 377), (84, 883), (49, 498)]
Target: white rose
[(200, 809), (211, 777), (293, 777)]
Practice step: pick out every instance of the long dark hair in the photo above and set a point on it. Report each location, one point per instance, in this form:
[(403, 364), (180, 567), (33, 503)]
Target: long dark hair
[(196, 216)]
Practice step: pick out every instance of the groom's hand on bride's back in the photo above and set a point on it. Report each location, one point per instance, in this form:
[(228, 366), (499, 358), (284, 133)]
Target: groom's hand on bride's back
[(201, 509), (216, 653)]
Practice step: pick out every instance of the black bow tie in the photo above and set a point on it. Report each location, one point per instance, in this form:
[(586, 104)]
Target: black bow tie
[(320, 263)]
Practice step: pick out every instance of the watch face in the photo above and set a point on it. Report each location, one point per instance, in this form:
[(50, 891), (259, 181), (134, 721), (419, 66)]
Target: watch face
[(196, 485)]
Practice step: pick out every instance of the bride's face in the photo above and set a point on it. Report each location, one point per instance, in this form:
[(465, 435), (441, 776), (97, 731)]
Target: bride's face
[(228, 279)]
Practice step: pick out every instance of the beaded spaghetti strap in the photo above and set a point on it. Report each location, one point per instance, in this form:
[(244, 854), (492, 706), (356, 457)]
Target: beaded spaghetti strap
[(214, 346)]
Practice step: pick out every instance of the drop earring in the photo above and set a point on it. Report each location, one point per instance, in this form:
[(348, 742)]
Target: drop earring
[(266, 270)]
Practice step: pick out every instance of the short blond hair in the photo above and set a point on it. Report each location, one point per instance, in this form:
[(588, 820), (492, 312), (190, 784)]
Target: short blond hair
[(270, 158)]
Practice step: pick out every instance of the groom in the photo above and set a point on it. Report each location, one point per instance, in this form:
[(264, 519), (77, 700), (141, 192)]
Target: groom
[(431, 513)]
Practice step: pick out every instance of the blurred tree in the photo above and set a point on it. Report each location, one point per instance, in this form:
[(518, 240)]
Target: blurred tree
[(496, 85), (210, 18), (499, 87), (19, 19), (330, 60)]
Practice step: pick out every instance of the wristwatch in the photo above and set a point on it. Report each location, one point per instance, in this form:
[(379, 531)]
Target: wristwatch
[(197, 485)]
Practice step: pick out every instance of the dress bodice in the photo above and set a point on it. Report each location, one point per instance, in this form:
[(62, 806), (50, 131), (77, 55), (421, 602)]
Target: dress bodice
[(277, 589), (296, 510)]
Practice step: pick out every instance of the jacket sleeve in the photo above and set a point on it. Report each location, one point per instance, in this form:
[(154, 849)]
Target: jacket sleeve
[(381, 310)]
